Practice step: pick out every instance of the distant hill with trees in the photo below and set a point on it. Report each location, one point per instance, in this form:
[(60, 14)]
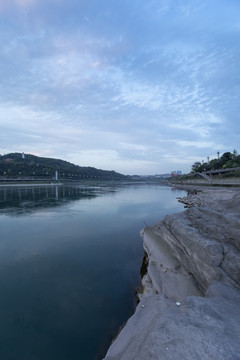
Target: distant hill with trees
[(226, 161), (17, 165)]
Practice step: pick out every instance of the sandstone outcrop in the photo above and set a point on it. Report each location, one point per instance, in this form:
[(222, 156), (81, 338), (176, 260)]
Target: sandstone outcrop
[(190, 304)]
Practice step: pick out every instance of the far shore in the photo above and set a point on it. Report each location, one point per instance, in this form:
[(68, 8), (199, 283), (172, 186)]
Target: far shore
[(187, 184), (17, 184), (214, 182)]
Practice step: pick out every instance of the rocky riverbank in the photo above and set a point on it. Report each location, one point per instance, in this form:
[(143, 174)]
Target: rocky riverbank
[(190, 305), (211, 181)]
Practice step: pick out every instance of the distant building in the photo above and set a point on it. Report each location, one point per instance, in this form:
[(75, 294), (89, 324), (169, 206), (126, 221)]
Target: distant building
[(176, 173), (56, 175), (162, 176), (23, 155)]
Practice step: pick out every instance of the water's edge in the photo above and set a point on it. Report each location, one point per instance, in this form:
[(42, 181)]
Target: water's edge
[(191, 265)]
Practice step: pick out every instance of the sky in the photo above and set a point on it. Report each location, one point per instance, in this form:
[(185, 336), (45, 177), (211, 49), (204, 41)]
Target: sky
[(139, 87)]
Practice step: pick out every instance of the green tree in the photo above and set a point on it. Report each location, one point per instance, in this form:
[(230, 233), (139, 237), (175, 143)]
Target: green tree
[(228, 164), (227, 156), (235, 154), (196, 166)]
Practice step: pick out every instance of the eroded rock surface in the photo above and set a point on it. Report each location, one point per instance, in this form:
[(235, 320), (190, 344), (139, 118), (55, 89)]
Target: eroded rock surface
[(190, 306), (200, 328)]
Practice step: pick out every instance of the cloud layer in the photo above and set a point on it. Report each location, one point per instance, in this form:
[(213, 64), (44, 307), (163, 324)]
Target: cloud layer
[(138, 87)]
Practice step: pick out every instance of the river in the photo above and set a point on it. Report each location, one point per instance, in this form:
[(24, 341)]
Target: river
[(70, 259)]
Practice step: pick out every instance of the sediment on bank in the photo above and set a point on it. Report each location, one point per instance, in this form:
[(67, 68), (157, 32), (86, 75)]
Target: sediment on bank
[(189, 307)]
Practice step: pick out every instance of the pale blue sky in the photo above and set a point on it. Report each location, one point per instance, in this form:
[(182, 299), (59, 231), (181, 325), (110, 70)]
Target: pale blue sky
[(140, 87)]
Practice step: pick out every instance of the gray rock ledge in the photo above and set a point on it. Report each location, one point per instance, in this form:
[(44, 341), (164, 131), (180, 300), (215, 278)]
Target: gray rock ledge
[(190, 305)]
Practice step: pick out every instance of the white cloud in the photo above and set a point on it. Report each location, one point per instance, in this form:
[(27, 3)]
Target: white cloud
[(134, 147), (137, 95), (23, 4), (199, 124), (110, 159), (199, 144), (188, 9)]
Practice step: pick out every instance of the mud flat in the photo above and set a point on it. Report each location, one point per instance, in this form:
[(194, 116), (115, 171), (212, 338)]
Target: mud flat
[(190, 304)]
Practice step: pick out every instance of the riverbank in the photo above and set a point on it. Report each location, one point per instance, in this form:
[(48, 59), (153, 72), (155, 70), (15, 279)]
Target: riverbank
[(29, 184), (189, 307), (234, 181)]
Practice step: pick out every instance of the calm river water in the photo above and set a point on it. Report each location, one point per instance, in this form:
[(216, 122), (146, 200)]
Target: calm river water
[(70, 258)]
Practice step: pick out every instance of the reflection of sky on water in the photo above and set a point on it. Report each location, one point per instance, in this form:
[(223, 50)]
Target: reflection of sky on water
[(74, 217), (68, 272)]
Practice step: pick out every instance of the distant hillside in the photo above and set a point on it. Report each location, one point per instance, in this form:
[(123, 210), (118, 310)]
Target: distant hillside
[(13, 165), (226, 161)]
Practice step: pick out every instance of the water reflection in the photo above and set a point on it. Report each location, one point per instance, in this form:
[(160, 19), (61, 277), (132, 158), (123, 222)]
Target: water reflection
[(25, 199), (69, 265)]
